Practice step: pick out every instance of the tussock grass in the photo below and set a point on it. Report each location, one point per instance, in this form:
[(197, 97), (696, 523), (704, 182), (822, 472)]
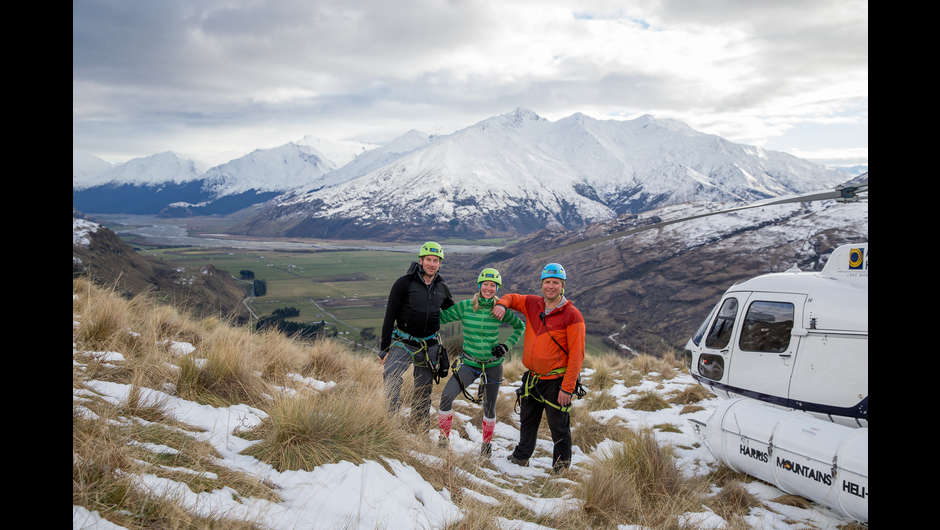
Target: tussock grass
[(303, 432), (587, 432), (606, 368), (638, 484), (665, 366), (230, 373), (513, 370), (602, 400), (690, 394), (648, 401), (732, 502)]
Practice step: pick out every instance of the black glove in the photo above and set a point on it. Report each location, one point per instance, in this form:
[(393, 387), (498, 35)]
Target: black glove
[(499, 350), (443, 365)]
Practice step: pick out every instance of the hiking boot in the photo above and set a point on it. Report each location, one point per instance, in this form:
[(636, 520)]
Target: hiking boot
[(486, 449), (560, 467), (518, 461)]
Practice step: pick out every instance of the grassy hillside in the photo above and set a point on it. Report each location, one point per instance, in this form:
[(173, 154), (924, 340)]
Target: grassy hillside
[(185, 422)]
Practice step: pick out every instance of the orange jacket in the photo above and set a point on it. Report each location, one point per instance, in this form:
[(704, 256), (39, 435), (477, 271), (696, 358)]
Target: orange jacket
[(540, 354)]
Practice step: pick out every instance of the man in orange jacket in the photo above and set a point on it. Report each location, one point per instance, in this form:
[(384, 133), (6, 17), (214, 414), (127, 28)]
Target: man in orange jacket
[(553, 353)]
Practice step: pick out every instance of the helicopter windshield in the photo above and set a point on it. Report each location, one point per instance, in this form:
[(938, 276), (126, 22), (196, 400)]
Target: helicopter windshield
[(720, 333), (700, 332)]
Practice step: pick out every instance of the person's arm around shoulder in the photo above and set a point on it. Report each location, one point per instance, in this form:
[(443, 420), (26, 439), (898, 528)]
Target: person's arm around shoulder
[(511, 301)]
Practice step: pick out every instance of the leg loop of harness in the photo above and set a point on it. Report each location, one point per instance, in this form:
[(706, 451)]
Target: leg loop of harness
[(529, 379), (422, 344), (458, 362)]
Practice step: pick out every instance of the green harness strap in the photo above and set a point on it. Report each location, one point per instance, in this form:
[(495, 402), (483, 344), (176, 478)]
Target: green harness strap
[(528, 389)]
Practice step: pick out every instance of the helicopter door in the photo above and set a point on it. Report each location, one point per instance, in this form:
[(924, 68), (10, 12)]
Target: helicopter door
[(764, 352), (711, 363)]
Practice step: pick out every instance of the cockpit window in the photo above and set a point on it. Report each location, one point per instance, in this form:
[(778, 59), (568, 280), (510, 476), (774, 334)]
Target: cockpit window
[(700, 332), (720, 333), (767, 327)]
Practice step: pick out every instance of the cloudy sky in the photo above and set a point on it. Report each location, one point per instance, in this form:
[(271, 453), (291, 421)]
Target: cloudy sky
[(216, 79)]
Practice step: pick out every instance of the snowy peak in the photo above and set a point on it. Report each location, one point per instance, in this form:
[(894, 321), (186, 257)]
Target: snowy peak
[(149, 170), (277, 169), (517, 118), (409, 141)]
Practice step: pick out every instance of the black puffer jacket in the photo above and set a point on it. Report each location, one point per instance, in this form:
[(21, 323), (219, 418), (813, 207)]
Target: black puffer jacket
[(414, 307)]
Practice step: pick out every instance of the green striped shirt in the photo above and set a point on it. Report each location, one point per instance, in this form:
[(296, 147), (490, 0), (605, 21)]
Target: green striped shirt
[(481, 329)]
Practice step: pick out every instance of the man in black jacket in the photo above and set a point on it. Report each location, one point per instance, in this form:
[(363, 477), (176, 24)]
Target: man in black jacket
[(410, 333)]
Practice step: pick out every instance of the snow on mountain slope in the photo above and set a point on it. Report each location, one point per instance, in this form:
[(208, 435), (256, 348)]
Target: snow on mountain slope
[(519, 171), (364, 163), (149, 170), (276, 169)]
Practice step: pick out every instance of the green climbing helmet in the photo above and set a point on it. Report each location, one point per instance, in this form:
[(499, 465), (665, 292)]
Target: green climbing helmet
[(431, 248), (490, 275)]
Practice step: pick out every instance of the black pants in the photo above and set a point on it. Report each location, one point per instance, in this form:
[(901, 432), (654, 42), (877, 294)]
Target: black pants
[(530, 416)]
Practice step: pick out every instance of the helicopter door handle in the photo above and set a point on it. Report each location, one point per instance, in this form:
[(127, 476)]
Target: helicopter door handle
[(784, 355)]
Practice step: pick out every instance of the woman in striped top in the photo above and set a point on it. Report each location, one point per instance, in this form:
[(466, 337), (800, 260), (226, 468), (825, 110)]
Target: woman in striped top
[(482, 354)]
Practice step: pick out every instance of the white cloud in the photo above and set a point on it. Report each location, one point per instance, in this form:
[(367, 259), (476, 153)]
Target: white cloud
[(231, 75)]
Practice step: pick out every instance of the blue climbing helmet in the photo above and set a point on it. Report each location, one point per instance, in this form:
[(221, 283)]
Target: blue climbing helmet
[(553, 270)]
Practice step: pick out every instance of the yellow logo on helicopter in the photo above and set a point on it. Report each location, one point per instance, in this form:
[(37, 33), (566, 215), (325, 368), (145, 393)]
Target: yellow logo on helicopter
[(856, 258)]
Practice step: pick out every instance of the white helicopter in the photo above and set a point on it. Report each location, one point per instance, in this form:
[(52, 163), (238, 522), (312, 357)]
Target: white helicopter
[(790, 352), (798, 340)]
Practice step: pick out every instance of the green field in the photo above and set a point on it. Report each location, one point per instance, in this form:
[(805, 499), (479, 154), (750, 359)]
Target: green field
[(347, 289)]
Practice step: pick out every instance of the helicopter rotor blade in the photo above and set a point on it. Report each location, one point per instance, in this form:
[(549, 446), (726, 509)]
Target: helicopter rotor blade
[(843, 193)]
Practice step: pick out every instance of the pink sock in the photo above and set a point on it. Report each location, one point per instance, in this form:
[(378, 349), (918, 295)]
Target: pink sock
[(444, 420), (488, 426)]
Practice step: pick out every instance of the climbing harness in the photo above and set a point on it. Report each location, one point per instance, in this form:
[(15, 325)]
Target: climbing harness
[(458, 362), (529, 379), (422, 344)]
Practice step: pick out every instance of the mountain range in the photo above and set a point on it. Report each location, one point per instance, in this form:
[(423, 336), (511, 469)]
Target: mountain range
[(508, 175)]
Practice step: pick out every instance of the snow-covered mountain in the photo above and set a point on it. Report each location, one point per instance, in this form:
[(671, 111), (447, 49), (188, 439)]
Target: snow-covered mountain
[(277, 169), (169, 184), (518, 172), (364, 163), (507, 175), (161, 168)]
